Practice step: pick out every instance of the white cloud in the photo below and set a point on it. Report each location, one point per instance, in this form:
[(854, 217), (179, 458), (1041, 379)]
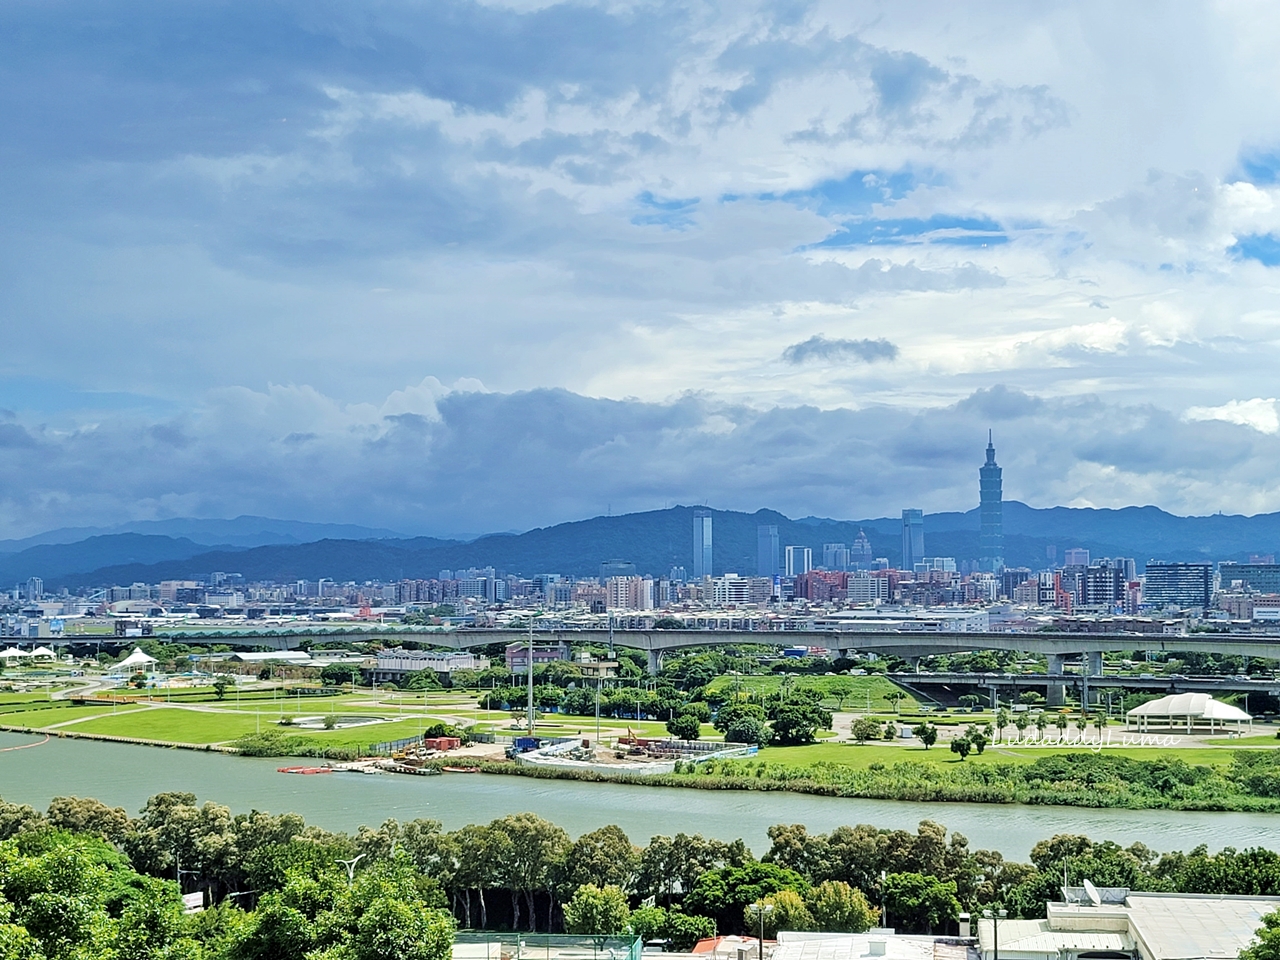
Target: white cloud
[(1260, 414), (627, 200)]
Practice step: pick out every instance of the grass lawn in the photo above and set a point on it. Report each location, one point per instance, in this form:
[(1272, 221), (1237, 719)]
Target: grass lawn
[(175, 724), (862, 756), (42, 715), (874, 687)]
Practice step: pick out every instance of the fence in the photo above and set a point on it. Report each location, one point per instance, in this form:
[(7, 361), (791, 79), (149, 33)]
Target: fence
[(504, 945), (393, 746)]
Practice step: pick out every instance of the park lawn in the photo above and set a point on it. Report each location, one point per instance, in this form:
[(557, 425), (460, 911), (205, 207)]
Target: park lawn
[(861, 756), (1262, 740), (871, 687), (175, 725), (42, 715)]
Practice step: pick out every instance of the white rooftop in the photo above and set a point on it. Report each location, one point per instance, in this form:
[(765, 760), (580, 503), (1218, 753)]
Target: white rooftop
[(1185, 927), (1037, 938), (854, 946), (1189, 705), (136, 659)]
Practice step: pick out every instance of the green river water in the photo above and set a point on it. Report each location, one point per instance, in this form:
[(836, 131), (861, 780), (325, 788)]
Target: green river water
[(124, 775)]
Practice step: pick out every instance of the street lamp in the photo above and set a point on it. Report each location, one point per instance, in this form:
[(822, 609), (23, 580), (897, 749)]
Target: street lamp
[(762, 910), (995, 919)]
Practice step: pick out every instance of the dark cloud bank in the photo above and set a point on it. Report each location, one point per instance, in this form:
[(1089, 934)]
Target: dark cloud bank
[(488, 461)]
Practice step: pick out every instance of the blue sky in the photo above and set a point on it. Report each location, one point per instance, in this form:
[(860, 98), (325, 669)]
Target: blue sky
[(454, 266)]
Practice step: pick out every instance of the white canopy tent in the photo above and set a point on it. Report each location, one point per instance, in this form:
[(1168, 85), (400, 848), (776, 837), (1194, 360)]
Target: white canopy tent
[(138, 660), (1189, 712), (13, 655)]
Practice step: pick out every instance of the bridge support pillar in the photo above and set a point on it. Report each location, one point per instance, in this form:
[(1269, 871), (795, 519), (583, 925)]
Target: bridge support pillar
[(1056, 693), (1093, 664), (995, 698), (655, 662), (1092, 667)]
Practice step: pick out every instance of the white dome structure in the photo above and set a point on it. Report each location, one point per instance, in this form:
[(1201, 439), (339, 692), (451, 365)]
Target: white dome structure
[(1189, 712)]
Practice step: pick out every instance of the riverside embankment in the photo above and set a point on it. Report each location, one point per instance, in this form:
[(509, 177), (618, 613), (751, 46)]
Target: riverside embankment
[(126, 775)]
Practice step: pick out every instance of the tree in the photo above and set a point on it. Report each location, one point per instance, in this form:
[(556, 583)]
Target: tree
[(978, 738), (970, 700), (684, 726), (919, 902), (842, 689), (1061, 723), (962, 746), (648, 923), (796, 723), (865, 728), (336, 674), (839, 908), (1042, 723), (731, 713), (750, 731), (725, 893), (1100, 723), (1003, 718), (1022, 721), (220, 685), (1268, 945), (537, 845), (1082, 724), (86, 815), (597, 912), (927, 733), (684, 930), (896, 699), (784, 910), (604, 857)]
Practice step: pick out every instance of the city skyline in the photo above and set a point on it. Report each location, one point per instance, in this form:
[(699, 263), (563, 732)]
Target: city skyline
[(725, 255)]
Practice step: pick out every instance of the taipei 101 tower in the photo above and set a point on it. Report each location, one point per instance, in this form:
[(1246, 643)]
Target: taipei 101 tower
[(991, 513)]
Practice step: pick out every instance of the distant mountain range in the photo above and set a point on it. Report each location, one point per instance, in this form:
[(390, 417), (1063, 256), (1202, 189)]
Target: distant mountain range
[(240, 532), (655, 541)]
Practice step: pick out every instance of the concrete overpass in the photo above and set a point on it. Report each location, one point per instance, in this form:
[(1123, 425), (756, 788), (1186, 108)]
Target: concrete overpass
[(1051, 683), (656, 643)]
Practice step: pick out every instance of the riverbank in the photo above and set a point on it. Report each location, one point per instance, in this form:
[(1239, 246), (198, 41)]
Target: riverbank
[(126, 775), (1185, 777), (1080, 779)]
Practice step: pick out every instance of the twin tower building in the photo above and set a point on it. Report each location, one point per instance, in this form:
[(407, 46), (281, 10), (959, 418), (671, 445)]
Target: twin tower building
[(990, 520)]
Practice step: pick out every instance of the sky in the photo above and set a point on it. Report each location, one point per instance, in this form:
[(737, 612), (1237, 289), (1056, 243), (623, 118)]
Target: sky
[(452, 267)]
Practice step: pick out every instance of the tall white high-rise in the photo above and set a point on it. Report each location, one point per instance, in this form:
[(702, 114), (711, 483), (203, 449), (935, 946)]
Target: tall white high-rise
[(701, 544), (799, 561)]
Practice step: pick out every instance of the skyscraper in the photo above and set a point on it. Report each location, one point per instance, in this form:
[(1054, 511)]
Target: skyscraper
[(799, 560), (860, 553), (701, 544), (767, 551), (912, 538), (991, 512)]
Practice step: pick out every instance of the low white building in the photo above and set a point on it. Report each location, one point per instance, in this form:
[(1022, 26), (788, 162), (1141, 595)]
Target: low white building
[(1188, 712), (1145, 926)]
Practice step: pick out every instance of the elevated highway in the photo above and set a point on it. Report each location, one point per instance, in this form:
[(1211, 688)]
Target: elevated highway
[(993, 682), (909, 646)]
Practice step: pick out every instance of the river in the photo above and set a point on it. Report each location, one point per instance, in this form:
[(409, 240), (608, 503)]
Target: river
[(125, 775)]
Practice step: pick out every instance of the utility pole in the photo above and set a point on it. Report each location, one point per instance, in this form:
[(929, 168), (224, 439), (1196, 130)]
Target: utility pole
[(530, 666)]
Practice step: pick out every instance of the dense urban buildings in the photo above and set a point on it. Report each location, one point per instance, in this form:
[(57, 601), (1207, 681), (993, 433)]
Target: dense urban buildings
[(785, 587)]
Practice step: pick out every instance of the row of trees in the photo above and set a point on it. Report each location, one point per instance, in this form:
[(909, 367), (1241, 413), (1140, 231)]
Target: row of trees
[(523, 872)]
